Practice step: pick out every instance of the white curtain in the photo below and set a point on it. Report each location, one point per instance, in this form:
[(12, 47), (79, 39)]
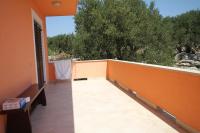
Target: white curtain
[(63, 69)]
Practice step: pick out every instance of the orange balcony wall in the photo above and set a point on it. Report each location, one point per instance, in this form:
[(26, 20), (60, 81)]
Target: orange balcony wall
[(174, 91), (83, 69), (89, 69), (17, 52)]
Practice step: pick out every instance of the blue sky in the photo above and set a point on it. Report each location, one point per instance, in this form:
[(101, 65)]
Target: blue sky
[(65, 25)]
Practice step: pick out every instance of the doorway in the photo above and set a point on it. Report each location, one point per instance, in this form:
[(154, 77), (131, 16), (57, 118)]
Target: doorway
[(39, 53)]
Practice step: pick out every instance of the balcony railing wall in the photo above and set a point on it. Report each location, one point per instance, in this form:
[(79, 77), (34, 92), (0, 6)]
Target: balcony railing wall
[(83, 69), (89, 69), (175, 91)]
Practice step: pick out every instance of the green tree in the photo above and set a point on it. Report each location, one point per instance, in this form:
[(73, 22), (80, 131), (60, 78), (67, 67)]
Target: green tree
[(125, 29), (60, 43), (128, 30), (187, 29)]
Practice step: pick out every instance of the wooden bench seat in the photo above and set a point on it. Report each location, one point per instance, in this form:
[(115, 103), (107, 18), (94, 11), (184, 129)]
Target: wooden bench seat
[(36, 94), (18, 121)]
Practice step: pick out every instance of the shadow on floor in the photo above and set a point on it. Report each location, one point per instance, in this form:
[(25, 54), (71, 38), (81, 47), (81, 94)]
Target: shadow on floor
[(57, 116)]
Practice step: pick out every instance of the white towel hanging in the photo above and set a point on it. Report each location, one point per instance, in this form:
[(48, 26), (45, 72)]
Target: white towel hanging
[(63, 69)]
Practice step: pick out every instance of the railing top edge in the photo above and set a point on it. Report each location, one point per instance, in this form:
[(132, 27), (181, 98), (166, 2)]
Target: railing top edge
[(103, 60), (79, 61), (158, 66), (142, 64)]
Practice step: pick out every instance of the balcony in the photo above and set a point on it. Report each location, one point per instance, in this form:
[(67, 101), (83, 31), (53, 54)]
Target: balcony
[(120, 97)]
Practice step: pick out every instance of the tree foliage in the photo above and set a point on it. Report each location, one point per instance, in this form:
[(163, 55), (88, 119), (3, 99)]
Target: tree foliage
[(128, 30), (187, 30), (60, 43)]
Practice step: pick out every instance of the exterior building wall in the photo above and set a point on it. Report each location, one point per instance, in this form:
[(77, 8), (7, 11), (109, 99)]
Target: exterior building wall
[(17, 52)]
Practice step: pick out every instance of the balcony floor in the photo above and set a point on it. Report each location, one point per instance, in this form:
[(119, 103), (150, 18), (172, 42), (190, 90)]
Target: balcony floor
[(94, 106)]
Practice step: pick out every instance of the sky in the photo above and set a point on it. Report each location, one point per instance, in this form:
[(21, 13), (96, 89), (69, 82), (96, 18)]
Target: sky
[(66, 25)]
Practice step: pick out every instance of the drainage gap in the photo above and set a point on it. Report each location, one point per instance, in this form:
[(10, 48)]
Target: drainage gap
[(167, 114), (78, 79)]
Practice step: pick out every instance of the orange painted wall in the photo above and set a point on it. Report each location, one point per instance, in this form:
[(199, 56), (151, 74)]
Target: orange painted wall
[(89, 69), (52, 75), (177, 92), (17, 65), (83, 69)]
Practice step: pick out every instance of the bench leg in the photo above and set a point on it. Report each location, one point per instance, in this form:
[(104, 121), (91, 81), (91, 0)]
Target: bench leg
[(42, 98), (18, 122)]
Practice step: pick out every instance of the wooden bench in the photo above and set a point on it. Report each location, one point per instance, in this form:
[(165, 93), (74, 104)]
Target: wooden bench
[(18, 121)]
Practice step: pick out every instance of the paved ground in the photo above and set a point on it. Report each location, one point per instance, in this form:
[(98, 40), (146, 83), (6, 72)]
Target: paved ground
[(94, 106)]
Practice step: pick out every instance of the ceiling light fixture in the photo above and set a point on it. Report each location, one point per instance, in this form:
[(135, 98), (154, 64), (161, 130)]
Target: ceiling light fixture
[(56, 3)]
